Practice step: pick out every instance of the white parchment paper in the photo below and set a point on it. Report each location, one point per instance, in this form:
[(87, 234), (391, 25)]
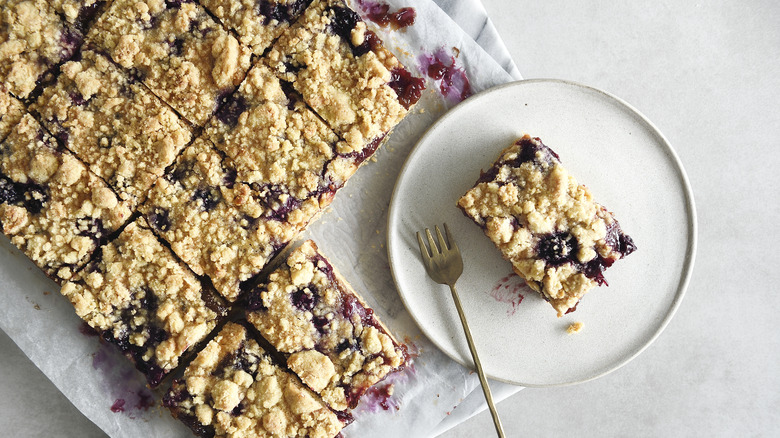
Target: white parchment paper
[(107, 389)]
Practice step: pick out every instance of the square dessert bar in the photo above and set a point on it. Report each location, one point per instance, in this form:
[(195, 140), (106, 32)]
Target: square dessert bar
[(345, 74), (219, 226), (234, 389), (11, 112), (51, 206), (557, 238), (125, 133), (257, 22), (176, 49), (139, 297), (332, 340), (278, 145), (33, 40)]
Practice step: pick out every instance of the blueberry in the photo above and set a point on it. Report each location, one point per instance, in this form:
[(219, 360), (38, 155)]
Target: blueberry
[(230, 109), (176, 46), (255, 300), (35, 197), (230, 178), (272, 10), (77, 98), (158, 218), (535, 152), (209, 196), (344, 20), (319, 323), (91, 227), (558, 248), (618, 241), (9, 194), (304, 301)]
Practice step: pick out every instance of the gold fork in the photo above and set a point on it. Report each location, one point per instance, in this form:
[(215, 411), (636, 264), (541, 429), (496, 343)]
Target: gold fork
[(444, 265)]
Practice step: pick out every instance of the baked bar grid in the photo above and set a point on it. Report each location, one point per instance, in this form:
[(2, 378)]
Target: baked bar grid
[(156, 155)]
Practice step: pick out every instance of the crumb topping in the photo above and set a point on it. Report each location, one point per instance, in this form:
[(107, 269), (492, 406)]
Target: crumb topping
[(11, 112), (177, 49), (220, 227), (144, 300), (233, 388), (51, 206), (257, 23), (123, 132), (33, 38), (332, 339), (343, 72), (277, 142), (557, 238)]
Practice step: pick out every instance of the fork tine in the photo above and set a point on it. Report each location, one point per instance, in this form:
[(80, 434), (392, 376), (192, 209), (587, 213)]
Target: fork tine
[(450, 239), (434, 249), (423, 249), (442, 243)]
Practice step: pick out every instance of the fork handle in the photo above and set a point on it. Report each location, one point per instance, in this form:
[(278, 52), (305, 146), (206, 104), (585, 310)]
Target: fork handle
[(477, 363)]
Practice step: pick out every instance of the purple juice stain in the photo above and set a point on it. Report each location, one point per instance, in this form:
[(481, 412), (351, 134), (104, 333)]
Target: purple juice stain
[(380, 14), (118, 406), (442, 67), (510, 290)]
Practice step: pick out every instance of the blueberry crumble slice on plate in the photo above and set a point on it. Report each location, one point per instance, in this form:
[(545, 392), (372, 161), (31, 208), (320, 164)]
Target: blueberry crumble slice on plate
[(546, 224)]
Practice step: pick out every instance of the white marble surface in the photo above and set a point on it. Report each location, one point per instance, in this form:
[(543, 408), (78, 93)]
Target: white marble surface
[(707, 75)]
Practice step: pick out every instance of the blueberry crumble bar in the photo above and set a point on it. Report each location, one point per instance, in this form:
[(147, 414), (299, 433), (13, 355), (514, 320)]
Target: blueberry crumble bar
[(11, 112), (139, 297), (219, 226), (345, 74), (278, 145), (257, 22), (33, 40), (51, 206), (176, 49), (113, 123), (234, 389), (557, 238), (332, 340)]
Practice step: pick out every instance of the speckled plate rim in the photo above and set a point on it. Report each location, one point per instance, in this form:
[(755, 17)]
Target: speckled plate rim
[(689, 258)]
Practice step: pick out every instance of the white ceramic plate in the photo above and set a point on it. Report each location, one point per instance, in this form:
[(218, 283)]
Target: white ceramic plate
[(631, 169)]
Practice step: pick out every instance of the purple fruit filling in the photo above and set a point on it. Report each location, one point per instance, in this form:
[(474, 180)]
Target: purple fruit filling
[(159, 219), (30, 195), (271, 10), (303, 301), (230, 108), (558, 248), (408, 88), (209, 197)]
